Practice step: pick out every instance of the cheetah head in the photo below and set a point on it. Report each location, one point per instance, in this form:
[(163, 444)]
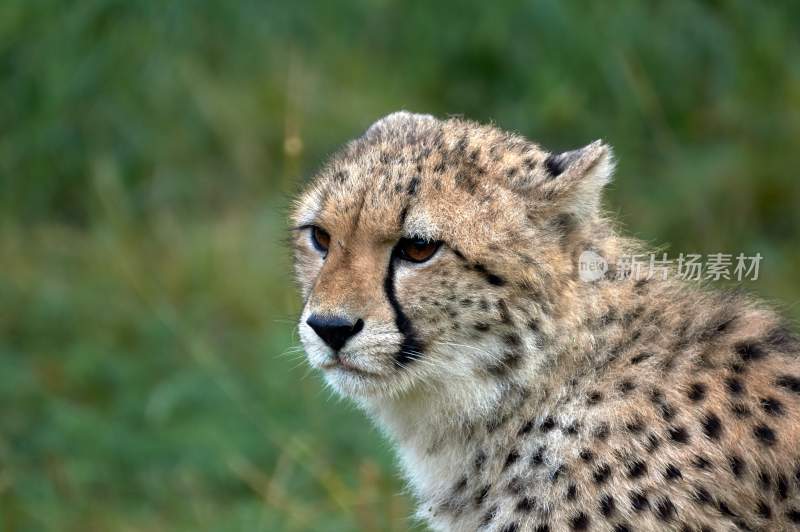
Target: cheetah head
[(432, 253)]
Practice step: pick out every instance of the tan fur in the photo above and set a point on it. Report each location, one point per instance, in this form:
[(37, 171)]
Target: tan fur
[(530, 399)]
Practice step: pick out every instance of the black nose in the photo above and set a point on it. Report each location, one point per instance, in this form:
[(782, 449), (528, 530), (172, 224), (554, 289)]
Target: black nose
[(334, 330)]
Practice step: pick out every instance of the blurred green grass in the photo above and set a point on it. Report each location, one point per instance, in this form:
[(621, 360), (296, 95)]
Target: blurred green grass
[(149, 371)]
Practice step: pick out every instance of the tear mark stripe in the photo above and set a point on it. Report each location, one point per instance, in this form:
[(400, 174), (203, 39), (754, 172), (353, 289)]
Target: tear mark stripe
[(411, 347)]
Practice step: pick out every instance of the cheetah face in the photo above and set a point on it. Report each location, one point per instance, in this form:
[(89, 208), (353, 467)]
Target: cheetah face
[(415, 250)]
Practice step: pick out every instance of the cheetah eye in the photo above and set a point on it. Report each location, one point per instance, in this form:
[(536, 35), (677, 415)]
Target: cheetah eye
[(417, 249), (320, 239)]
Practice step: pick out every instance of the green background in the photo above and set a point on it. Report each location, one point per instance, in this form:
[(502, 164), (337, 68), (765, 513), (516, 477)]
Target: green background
[(150, 375)]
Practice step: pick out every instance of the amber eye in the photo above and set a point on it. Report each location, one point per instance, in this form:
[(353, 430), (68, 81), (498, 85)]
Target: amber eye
[(321, 239), (417, 249)]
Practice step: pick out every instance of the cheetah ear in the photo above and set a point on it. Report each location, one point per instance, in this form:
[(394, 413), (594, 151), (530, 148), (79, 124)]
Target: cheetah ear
[(574, 180)]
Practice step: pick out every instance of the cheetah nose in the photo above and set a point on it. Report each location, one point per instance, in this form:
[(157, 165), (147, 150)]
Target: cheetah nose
[(334, 330)]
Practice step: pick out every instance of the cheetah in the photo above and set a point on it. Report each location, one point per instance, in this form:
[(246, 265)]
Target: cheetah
[(438, 262)]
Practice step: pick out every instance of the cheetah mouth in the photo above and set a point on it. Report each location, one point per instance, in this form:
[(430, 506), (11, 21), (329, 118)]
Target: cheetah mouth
[(340, 364)]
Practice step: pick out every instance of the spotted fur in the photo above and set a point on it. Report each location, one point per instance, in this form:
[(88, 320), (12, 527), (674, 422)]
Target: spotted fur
[(520, 397)]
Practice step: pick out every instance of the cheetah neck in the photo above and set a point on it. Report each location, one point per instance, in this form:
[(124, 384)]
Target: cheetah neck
[(437, 429)]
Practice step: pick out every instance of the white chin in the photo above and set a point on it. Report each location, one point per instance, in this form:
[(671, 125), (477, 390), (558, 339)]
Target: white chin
[(355, 385)]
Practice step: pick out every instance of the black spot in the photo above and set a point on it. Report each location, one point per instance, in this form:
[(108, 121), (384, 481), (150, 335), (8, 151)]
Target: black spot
[(548, 424), (594, 398), (716, 328), (412, 186), (638, 359), (553, 165), (601, 474), (482, 327), (526, 505), (667, 411), (516, 486), (636, 469), (580, 522), (508, 362), (572, 492), (639, 501), (712, 426), (491, 278), (587, 455), (701, 462), (764, 479), (557, 472), (502, 309), (672, 472), (538, 457), (734, 385), (481, 495), (607, 505), (789, 382), (763, 510), (781, 487), (542, 528), (511, 527), (678, 434), (480, 459), (572, 429), (622, 527), (460, 485), (626, 386), (512, 457), (794, 515), (653, 442), (772, 406), (665, 509), (737, 465), (601, 431), (697, 392), (526, 428), (401, 219), (749, 351), (725, 509), (764, 434), (635, 425), (702, 495)]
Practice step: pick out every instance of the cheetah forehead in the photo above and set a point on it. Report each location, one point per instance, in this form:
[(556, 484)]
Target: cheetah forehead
[(405, 163)]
